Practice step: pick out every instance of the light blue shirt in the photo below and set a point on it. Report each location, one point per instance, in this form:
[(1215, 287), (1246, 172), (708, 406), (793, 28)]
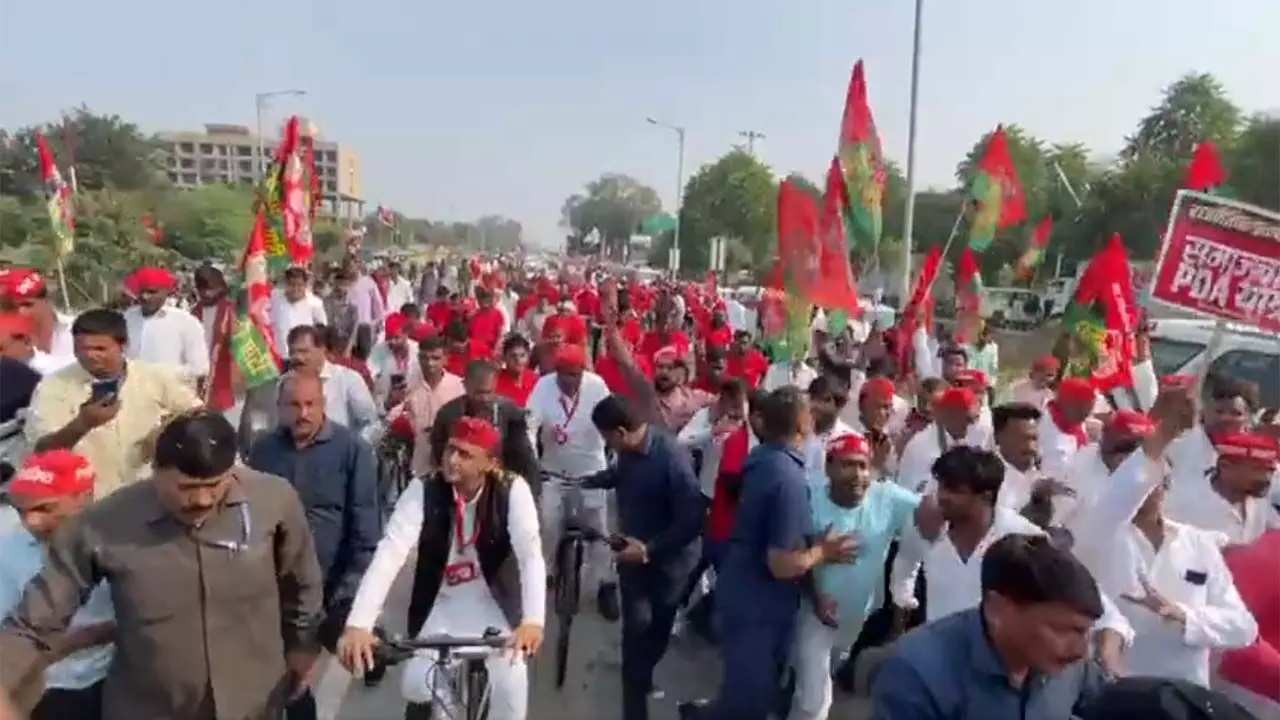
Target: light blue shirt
[(21, 557), (858, 587)]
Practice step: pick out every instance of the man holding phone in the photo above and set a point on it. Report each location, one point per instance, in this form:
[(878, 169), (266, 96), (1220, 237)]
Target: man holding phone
[(105, 407)]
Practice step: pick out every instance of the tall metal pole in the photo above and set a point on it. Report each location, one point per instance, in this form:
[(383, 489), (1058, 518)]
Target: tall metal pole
[(752, 136), (908, 222), (258, 100), (675, 240)]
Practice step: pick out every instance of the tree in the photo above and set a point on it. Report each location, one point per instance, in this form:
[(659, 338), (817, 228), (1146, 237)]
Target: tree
[(613, 205), (1193, 108), (1254, 162), (107, 152), (733, 197), (498, 232), (209, 222)]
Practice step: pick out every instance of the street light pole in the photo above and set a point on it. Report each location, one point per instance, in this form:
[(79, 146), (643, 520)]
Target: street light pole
[(680, 133), (908, 222), (259, 104), (751, 136)]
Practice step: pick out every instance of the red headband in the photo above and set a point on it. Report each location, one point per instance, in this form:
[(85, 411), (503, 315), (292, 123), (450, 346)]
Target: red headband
[(395, 324), (53, 474), (21, 283), (1075, 390), (477, 433), (153, 278), (976, 378), (1047, 364), (878, 387), (1131, 423), (570, 358), (956, 398), (15, 324), (1254, 448), (848, 445)]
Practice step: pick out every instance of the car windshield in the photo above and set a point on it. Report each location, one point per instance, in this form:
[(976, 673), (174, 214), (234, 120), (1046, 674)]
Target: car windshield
[(1170, 356)]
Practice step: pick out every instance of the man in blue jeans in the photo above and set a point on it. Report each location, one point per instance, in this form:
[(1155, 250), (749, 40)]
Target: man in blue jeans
[(768, 555)]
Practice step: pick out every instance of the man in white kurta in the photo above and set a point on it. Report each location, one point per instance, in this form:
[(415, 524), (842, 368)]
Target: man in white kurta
[(1062, 431), (465, 604), (1233, 499), (559, 409), (1176, 590), (164, 335), (957, 414)]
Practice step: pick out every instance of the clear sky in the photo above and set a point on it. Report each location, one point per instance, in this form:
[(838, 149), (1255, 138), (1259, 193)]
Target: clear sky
[(464, 108)]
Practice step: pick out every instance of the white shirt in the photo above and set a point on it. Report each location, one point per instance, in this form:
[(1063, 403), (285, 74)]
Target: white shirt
[(383, 364), (46, 363), (781, 374), (287, 315), (468, 608), (62, 344), (399, 293), (1086, 476), (1198, 504), (1187, 569), (1057, 448), (955, 583), (1015, 491), (172, 338), (21, 558), (915, 470), (582, 452)]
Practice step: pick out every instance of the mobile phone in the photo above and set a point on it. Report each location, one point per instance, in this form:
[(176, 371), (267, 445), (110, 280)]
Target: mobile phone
[(103, 389), (397, 380)]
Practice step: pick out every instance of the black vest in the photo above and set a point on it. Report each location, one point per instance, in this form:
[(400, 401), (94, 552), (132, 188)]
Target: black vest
[(493, 546)]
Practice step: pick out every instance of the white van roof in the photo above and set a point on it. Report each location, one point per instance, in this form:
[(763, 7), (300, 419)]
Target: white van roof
[(1199, 331)]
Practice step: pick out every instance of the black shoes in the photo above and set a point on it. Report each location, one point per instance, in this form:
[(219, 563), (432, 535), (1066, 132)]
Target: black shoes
[(608, 602)]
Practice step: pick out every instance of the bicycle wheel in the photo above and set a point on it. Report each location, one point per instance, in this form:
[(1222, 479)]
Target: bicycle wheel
[(475, 696), (567, 596)]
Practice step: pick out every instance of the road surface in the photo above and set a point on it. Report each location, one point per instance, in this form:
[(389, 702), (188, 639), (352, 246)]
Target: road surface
[(592, 692)]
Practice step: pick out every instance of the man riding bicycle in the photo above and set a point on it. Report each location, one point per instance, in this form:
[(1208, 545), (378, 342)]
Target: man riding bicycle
[(560, 409), (479, 566)]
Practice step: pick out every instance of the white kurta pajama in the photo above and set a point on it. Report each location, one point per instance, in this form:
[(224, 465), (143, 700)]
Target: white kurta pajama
[(467, 608), (1187, 569), (915, 468)]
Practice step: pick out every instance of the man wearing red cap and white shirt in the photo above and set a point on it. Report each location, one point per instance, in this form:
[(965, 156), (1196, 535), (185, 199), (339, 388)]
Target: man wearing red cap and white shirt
[(463, 579), (1233, 499), (560, 416), (1062, 432), (393, 357), (1092, 466), (25, 290), (1174, 587), (1228, 408), (957, 414), (50, 489), (165, 335)]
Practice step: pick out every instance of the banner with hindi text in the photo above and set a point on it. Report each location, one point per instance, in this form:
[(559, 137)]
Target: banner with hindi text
[(1221, 258)]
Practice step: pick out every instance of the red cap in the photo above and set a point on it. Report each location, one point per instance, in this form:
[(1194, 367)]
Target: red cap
[(478, 433), (1076, 390), (956, 398), (421, 330), (153, 278), (1046, 364), (21, 283), (395, 324), (848, 445), (1251, 447), (878, 388), (1131, 423), (972, 378), (53, 474), (570, 358), (668, 353)]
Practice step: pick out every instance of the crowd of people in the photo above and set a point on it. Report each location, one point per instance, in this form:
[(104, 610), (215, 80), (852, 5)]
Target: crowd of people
[(1001, 547)]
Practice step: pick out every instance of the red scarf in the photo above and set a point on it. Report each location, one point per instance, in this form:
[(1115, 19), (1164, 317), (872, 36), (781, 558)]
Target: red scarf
[(1076, 432)]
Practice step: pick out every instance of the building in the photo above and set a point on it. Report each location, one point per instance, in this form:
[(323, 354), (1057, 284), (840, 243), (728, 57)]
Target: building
[(230, 154)]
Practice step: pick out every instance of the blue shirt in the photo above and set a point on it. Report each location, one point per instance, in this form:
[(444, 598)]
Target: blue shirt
[(659, 502), (773, 514), (337, 478), (21, 558), (948, 669), (858, 587)]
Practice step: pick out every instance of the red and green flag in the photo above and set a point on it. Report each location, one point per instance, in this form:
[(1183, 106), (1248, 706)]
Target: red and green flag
[(862, 165), (284, 202), (968, 295), (244, 353), (57, 196), (996, 193), (1036, 248), (797, 269), (1101, 320)]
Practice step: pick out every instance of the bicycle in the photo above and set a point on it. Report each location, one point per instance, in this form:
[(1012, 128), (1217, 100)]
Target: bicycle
[(575, 535), (468, 681), (395, 471)]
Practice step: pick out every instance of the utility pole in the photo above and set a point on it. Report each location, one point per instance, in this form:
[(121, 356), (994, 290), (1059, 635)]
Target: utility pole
[(752, 136)]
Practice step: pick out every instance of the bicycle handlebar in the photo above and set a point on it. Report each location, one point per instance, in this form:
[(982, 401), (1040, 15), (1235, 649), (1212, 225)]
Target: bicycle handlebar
[(392, 651)]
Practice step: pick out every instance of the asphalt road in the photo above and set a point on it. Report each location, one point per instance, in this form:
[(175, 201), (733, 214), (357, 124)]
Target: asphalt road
[(592, 691)]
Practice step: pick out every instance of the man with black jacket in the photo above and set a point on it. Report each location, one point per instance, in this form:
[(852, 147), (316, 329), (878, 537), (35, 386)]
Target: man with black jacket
[(482, 401)]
